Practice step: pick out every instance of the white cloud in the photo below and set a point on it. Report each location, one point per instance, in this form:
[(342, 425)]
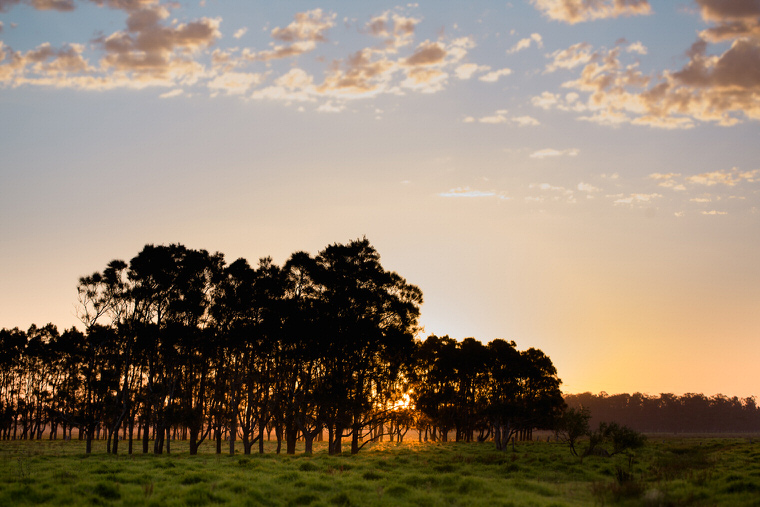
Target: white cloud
[(546, 187), (467, 70), (466, 192), (637, 198), (526, 121), (307, 26), (329, 107), (637, 47), (494, 76), (587, 187), (500, 116), (551, 152), (234, 83), (526, 43), (240, 32), (574, 56), (172, 93)]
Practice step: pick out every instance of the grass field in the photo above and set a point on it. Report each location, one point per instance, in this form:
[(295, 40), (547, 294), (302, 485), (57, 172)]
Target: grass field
[(669, 471)]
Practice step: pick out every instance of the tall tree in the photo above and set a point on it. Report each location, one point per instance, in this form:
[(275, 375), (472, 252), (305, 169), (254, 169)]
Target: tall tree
[(368, 312)]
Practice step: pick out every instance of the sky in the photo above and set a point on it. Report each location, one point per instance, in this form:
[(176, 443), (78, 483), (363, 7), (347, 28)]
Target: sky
[(580, 176)]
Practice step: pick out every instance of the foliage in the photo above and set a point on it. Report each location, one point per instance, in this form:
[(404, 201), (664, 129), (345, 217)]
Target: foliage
[(611, 438), (573, 425)]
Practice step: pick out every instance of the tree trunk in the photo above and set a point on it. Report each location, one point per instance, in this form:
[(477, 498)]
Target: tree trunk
[(233, 434), (355, 439), (291, 436), (193, 440), (146, 431), (308, 441), (88, 445), (131, 431), (338, 443), (115, 446)]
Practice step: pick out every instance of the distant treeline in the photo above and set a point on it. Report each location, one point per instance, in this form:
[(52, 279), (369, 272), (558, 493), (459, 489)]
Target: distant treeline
[(179, 344), (668, 413)]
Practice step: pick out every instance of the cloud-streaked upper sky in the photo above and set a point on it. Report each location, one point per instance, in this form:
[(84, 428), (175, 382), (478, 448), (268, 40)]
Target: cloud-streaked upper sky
[(581, 176)]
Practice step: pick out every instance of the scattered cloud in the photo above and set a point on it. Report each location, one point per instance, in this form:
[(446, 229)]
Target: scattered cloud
[(525, 43), (714, 212), (552, 192), (467, 70), (494, 76), (466, 192), (307, 26), (428, 53), (637, 47), (576, 11), (668, 180), (396, 29), (295, 86), (172, 93), (41, 5), (570, 58), (661, 176), (329, 107), (587, 187), (550, 188), (155, 50), (715, 87), (500, 116), (728, 178), (568, 102), (526, 121), (551, 152), (235, 83), (151, 51), (636, 198)]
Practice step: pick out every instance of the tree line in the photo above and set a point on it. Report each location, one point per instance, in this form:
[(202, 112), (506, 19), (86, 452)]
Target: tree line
[(179, 344), (670, 413)]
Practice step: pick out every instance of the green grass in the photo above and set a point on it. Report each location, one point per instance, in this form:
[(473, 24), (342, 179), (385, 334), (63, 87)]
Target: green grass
[(676, 471)]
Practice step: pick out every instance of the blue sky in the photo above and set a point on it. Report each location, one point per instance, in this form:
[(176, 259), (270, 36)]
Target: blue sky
[(579, 176)]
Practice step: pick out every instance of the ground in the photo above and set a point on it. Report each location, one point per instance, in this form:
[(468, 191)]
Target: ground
[(668, 471)]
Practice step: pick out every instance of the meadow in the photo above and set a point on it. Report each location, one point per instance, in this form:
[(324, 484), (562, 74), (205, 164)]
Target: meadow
[(667, 471)]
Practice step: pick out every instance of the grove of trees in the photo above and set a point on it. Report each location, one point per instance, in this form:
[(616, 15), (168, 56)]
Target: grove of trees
[(670, 413), (177, 343)]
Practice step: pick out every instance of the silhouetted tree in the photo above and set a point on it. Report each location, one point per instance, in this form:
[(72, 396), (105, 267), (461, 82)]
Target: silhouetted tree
[(573, 425)]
